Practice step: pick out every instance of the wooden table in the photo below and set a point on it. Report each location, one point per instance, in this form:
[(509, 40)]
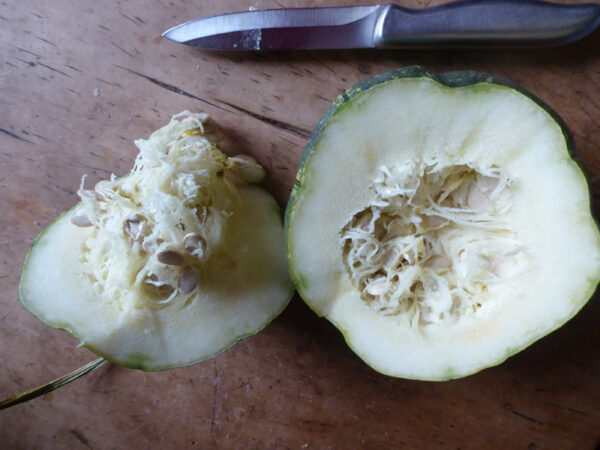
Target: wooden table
[(80, 80)]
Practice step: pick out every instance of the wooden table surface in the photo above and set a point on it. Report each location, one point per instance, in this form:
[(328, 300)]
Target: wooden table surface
[(80, 80)]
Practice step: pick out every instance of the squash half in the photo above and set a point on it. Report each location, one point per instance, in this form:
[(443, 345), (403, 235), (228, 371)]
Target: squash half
[(440, 222), (168, 266)]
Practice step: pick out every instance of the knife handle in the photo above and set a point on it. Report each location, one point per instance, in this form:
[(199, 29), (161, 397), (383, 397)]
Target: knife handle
[(485, 22)]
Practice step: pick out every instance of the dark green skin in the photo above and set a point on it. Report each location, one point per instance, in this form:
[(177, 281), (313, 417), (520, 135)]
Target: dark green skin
[(451, 79)]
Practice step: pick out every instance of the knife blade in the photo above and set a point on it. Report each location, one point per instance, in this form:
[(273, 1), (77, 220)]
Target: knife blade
[(469, 23)]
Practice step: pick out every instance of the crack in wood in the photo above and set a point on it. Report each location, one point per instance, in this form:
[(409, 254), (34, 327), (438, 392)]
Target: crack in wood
[(526, 417), (62, 188), (129, 18), (273, 122), (54, 70), (94, 170), (319, 61), (172, 88), (39, 136), (123, 50), (109, 83), (81, 438), (29, 63), (276, 123), (287, 141), (567, 408), (33, 64), (45, 40), (27, 51), (73, 91), (73, 68), (16, 136)]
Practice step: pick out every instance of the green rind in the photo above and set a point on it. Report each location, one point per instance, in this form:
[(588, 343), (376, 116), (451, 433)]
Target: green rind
[(139, 360), (455, 79)]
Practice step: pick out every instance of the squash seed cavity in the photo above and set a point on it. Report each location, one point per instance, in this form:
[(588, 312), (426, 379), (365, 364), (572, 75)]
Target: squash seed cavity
[(156, 229), (434, 242)]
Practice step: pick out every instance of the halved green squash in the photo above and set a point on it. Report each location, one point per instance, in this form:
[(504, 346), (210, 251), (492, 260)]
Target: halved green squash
[(168, 266), (440, 222)]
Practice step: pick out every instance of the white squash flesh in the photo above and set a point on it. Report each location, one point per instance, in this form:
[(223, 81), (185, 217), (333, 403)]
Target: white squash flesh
[(99, 294), (484, 126)]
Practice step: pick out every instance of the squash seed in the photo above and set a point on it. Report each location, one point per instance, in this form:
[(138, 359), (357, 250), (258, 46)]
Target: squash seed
[(187, 280), (377, 287), (80, 218), (399, 228), (193, 242), (134, 227), (170, 257)]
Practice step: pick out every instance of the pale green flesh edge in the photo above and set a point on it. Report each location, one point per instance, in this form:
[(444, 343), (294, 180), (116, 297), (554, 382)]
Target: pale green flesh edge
[(300, 187), (139, 361), (453, 374)]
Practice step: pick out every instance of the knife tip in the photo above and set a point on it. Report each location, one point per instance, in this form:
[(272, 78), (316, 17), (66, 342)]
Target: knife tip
[(168, 34)]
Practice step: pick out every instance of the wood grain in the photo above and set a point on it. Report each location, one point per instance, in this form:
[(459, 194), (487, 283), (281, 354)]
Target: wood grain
[(79, 81)]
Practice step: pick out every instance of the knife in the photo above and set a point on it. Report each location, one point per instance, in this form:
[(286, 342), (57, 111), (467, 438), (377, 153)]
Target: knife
[(471, 23)]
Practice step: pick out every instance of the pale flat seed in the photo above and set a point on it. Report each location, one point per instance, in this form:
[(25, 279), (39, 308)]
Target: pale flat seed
[(486, 184), (134, 227), (477, 200), (80, 218), (170, 257), (434, 222), (157, 288), (400, 229), (392, 258), (187, 280), (377, 287), (193, 242)]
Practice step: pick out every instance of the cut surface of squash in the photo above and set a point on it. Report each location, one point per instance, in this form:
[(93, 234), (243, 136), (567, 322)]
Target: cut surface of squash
[(169, 265), (441, 223)]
